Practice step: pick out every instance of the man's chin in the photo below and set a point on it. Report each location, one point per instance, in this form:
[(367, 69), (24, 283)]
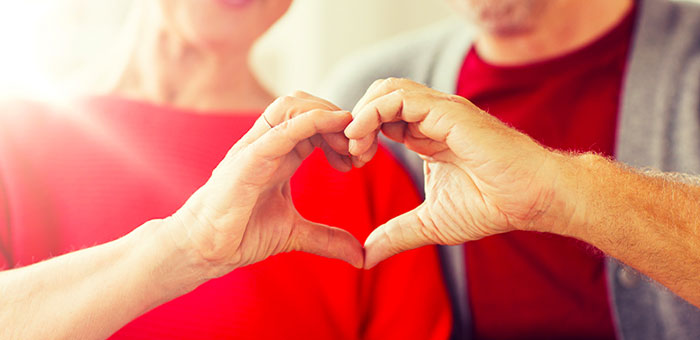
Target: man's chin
[(501, 17), (505, 29)]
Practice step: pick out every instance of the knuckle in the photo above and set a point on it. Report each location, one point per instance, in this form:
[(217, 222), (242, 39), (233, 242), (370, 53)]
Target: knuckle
[(273, 107), (394, 85), (389, 83), (281, 109), (401, 92), (299, 93), (457, 99), (392, 80), (376, 83), (315, 113), (286, 100), (282, 126), (279, 101), (395, 82)]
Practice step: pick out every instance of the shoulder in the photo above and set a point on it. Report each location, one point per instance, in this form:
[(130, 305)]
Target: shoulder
[(22, 120), (28, 126), (30, 117), (410, 55), (685, 11), (22, 110), (679, 19), (667, 27)]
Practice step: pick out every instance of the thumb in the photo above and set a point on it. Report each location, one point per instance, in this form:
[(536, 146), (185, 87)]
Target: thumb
[(399, 234), (326, 241)]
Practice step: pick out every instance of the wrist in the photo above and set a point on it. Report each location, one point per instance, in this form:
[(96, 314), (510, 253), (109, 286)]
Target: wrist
[(581, 180), (165, 268), (565, 177)]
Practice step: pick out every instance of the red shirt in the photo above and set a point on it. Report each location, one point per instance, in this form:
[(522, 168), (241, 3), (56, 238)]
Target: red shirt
[(83, 175), (535, 285)]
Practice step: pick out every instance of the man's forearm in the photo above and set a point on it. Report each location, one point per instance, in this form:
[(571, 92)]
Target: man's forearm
[(650, 222), (91, 293)]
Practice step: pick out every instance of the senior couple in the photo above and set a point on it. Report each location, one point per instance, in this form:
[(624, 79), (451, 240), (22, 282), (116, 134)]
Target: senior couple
[(113, 224)]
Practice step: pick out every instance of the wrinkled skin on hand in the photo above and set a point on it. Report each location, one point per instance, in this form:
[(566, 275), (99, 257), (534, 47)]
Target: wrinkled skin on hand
[(244, 213), (481, 177)]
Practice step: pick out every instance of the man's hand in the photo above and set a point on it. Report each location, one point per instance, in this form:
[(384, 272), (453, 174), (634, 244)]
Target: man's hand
[(481, 177), (244, 213)]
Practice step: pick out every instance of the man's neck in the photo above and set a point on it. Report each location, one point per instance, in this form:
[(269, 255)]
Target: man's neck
[(564, 26)]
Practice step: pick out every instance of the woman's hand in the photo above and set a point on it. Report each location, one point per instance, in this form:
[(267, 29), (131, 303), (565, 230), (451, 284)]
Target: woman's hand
[(481, 177), (244, 213)]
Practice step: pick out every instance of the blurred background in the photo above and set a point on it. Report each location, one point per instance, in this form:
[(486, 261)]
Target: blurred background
[(50, 47)]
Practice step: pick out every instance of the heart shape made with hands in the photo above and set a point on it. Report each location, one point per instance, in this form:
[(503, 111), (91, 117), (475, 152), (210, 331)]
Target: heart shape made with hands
[(308, 236), (287, 132), (481, 176), (474, 186), (343, 153)]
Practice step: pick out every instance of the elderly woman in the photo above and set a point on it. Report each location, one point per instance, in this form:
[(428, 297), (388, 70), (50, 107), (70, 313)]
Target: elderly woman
[(114, 173)]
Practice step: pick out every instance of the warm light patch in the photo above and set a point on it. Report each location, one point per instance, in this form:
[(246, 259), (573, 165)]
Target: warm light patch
[(20, 52)]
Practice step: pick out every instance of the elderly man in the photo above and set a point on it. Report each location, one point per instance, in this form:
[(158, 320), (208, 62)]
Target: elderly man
[(614, 77)]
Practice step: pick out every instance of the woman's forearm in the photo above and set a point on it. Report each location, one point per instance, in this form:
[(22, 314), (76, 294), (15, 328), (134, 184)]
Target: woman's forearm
[(242, 215), (91, 293)]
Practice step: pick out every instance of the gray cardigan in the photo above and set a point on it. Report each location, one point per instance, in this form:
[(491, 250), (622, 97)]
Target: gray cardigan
[(659, 126)]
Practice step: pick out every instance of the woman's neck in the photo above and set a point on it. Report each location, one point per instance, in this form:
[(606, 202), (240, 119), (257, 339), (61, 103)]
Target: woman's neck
[(169, 71)]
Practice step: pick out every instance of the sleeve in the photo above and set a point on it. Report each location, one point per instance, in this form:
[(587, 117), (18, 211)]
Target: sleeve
[(406, 293)]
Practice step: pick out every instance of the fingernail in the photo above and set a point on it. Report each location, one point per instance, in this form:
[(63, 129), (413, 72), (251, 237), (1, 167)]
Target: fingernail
[(352, 146), (357, 162), (348, 129), (369, 266), (365, 157), (359, 265)]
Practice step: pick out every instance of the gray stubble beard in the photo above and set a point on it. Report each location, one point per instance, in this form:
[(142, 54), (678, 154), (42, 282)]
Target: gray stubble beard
[(501, 17)]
